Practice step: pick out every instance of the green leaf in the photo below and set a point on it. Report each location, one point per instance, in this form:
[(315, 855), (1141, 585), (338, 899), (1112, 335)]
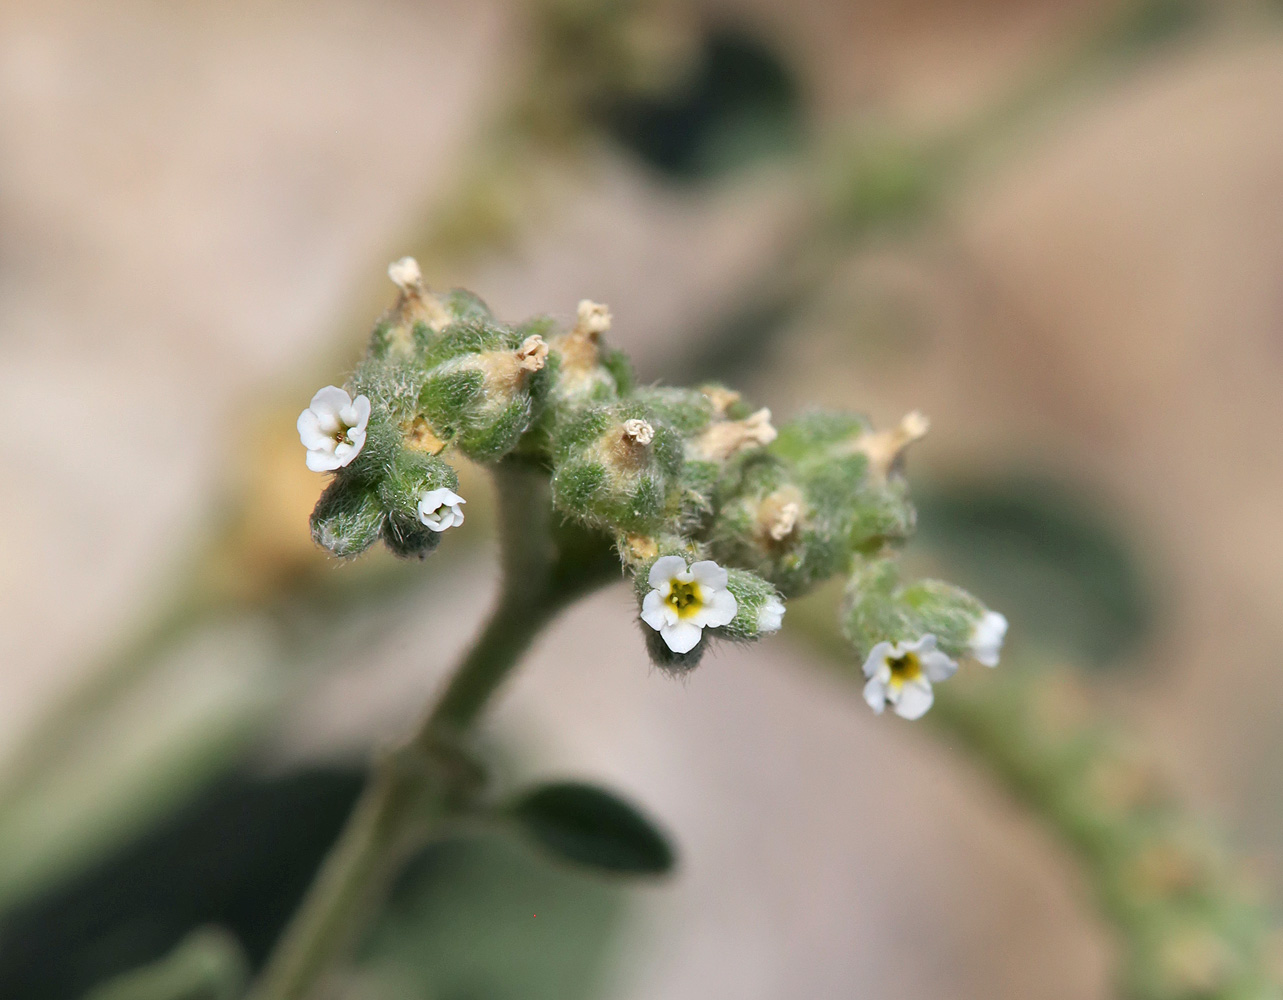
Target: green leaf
[(590, 826)]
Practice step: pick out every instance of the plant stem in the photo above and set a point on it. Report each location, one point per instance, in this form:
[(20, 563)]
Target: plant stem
[(400, 807)]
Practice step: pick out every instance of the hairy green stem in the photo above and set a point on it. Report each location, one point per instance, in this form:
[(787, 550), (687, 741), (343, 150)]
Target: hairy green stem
[(401, 808)]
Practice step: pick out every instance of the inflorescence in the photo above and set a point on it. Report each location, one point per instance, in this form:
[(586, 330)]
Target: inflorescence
[(717, 515)]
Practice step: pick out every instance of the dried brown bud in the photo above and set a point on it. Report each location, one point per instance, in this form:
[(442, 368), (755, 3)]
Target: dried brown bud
[(886, 448), (532, 354), (723, 438), (638, 431), (721, 397), (414, 305), (593, 319)]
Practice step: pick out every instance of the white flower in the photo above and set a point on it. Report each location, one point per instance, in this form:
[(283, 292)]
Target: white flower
[(986, 638), (770, 616), (332, 429), (439, 509), (687, 601), (901, 673)]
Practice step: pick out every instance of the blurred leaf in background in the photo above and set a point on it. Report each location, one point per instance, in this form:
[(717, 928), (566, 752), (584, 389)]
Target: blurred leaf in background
[(239, 858), (487, 918), (737, 104), (484, 918), (1047, 554)]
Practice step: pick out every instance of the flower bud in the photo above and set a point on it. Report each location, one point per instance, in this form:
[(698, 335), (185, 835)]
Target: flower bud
[(348, 517), (760, 608), (879, 609), (412, 321), (871, 612), (589, 371), (793, 533), (484, 387), (614, 465), (411, 476), (963, 626)]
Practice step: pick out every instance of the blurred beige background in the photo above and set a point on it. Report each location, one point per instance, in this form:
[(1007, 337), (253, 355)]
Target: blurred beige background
[(194, 198)]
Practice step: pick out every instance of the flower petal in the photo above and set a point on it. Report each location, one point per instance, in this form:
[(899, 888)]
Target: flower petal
[(923, 645), (682, 637), (310, 433), (877, 658), (655, 611), (938, 666), (987, 637), (718, 610), (709, 574), (875, 693), (914, 700), (665, 568), (322, 461), (346, 454), (357, 415), (330, 401)]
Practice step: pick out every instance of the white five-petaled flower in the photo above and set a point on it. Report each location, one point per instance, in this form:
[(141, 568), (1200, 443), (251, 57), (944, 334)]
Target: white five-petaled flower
[(684, 601), (439, 509), (986, 638), (332, 428), (901, 674)]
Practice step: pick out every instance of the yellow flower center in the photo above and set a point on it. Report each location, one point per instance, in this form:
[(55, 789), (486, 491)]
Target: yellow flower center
[(685, 598), (904, 669)]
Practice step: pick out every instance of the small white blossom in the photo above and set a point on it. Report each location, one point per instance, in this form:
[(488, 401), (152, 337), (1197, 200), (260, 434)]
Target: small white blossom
[(901, 674), (332, 428), (439, 509), (770, 616), (986, 638), (684, 601)]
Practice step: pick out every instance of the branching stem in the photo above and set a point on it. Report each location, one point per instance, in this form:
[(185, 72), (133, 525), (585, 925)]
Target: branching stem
[(402, 807)]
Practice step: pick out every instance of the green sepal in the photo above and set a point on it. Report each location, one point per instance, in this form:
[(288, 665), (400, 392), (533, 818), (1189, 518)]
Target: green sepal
[(752, 595)]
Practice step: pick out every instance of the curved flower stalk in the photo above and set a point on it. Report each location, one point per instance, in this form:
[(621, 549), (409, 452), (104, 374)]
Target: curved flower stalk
[(1189, 919), (716, 514)]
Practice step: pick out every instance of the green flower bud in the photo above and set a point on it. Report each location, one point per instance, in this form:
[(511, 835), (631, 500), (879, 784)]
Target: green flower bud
[(411, 476), (348, 517), (759, 608), (613, 466), (483, 390), (590, 373), (794, 534), (879, 609), (872, 612), (947, 612), (413, 320)]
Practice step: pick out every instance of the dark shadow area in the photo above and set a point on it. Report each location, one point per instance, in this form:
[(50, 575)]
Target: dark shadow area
[(240, 857)]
